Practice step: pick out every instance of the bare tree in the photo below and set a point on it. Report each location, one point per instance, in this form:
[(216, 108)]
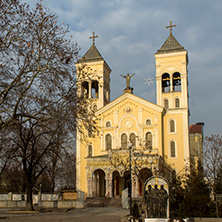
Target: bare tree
[(7, 151), (145, 162), (62, 163), (67, 176), (38, 89), (33, 143), (12, 179), (37, 65), (212, 156), (141, 159)]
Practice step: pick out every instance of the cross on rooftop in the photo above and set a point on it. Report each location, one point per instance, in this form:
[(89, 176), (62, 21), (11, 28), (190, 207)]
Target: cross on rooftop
[(93, 37), (170, 26)]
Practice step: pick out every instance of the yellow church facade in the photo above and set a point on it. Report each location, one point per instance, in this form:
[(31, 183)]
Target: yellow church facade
[(130, 128)]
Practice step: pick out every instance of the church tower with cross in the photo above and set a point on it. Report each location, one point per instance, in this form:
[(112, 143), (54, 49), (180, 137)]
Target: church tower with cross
[(94, 73), (172, 94), (157, 134), (171, 74)]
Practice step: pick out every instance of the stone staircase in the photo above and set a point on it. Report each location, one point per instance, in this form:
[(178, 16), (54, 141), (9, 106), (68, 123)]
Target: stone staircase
[(115, 202), (104, 202)]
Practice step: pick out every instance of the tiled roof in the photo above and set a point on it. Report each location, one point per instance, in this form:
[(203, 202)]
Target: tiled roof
[(196, 129), (170, 45), (91, 55)]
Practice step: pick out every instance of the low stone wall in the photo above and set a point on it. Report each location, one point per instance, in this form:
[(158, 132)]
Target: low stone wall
[(73, 200), (48, 204), (12, 204), (71, 204), (62, 204)]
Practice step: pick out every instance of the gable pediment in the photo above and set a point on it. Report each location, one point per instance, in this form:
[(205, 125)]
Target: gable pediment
[(129, 101)]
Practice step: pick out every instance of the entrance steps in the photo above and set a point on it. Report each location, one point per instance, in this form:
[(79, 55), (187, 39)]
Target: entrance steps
[(104, 202), (115, 202)]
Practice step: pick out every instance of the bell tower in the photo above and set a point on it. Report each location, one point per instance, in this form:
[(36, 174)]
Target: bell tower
[(172, 94), (171, 74), (93, 75)]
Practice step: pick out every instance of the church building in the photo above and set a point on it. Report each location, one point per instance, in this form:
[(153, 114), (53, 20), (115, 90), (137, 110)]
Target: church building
[(131, 131)]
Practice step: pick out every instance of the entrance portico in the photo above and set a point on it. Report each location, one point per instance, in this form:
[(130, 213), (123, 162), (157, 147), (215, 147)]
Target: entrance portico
[(105, 180)]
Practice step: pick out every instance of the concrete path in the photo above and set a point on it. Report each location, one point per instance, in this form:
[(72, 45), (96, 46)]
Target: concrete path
[(89, 214)]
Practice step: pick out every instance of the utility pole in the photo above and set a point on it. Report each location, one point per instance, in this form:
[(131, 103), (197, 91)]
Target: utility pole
[(130, 166)]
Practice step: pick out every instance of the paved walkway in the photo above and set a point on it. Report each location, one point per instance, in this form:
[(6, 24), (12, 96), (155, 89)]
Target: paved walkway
[(89, 214)]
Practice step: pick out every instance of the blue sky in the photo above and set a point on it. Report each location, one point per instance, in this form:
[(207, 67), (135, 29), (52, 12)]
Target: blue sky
[(131, 31)]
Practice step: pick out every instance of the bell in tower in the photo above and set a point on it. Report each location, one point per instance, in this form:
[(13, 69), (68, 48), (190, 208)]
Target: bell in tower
[(171, 74), (94, 84)]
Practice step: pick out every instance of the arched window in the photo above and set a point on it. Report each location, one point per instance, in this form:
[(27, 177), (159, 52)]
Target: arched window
[(166, 103), (177, 102), (148, 122), (166, 82), (124, 141), (108, 124), (85, 89), (108, 142), (95, 89), (176, 82), (172, 149), (133, 139), (90, 151), (149, 141), (172, 126)]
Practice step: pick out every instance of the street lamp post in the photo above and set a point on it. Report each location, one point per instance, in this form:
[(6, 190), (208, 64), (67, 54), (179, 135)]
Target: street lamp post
[(130, 166)]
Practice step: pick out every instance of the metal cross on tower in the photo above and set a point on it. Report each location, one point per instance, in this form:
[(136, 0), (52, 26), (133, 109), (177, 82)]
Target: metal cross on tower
[(93, 37), (170, 26)]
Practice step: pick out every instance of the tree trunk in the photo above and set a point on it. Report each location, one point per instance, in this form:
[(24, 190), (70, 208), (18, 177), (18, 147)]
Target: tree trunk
[(29, 205)]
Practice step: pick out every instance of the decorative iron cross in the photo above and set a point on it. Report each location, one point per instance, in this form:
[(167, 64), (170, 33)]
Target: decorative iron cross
[(170, 26), (93, 37)]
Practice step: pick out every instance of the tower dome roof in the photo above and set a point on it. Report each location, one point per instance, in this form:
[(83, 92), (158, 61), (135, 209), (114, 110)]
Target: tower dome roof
[(92, 54), (170, 45)]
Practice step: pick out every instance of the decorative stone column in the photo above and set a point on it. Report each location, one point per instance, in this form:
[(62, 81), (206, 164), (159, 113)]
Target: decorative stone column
[(90, 90), (97, 185), (171, 83), (89, 187), (114, 186), (93, 186), (108, 186)]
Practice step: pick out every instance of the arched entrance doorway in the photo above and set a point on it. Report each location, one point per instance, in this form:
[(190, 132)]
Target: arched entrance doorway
[(117, 182), (99, 188), (126, 181), (144, 174)]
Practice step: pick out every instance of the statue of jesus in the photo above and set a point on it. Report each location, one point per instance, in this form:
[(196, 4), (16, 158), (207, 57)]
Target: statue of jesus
[(128, 77)]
